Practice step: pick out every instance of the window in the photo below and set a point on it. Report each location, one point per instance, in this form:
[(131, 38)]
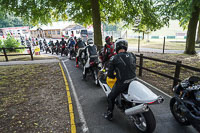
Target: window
[(53, 32), (78, 32), (49, 32), (58, 32), (83, 32)]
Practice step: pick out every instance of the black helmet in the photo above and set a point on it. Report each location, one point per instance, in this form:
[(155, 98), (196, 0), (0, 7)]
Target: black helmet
[(121, 44), (107, 39), (89, 41)]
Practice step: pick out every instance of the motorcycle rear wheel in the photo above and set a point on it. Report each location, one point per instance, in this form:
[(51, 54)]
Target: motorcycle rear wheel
[(144, 122), (196, 126), (177, 113), (96, 80)]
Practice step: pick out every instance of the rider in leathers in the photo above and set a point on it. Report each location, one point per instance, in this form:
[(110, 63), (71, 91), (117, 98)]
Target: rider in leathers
[(80, 46), (91, 55), (124, 65)]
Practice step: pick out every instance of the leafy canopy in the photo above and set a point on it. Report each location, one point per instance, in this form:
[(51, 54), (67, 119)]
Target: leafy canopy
[(177, 9), (143, 12)]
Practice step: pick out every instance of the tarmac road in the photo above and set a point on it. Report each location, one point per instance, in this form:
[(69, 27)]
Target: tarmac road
[(93, 102)]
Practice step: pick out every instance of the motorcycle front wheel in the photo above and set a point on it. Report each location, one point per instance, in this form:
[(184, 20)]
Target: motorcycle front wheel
[(144, 122), (177, 113)]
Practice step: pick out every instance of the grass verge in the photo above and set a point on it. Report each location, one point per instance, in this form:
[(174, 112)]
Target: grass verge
[(33, 99)]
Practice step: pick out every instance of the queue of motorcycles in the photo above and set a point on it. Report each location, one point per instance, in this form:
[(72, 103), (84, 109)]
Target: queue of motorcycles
[(185, 105)]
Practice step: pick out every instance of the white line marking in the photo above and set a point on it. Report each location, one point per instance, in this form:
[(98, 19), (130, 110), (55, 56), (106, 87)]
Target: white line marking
[(65, 60), (78, 105), (154, 87)]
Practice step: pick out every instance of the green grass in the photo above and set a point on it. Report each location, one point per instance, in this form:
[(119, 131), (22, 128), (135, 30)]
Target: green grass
[(158, 44)]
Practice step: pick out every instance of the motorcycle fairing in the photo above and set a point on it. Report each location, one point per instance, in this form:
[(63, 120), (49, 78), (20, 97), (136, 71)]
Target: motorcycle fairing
[(139, 93)]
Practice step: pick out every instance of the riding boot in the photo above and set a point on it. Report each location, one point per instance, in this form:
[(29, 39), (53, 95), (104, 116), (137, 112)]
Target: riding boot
[(108, 115)]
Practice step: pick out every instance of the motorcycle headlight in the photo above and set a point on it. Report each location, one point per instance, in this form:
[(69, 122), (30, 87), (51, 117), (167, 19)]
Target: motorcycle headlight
[(197, 95)]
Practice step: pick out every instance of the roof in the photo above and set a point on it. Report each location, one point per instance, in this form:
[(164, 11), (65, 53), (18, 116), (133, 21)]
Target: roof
[(73, 27), (54, 25)]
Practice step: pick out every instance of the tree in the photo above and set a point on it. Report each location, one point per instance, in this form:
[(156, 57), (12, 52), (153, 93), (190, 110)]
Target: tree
[(113, 11), (187, 12), (198, 35), (10, 21), (88, 12)]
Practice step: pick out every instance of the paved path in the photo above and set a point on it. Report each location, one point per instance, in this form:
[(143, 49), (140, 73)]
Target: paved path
[(28, 62), (93, 102)]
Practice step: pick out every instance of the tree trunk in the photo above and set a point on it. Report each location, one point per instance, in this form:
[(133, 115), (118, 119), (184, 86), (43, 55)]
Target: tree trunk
[(198, 34), (191, 33), (96, 23), (143, 35)]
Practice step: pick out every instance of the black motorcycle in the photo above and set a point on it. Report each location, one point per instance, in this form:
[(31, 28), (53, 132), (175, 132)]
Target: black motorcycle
[(94, 69), (72, 53), (53, 49), (82, 59), (185, 105), (47, 49)]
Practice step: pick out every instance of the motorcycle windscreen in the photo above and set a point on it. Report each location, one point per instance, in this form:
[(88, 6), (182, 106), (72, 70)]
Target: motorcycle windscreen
[(139, 93)]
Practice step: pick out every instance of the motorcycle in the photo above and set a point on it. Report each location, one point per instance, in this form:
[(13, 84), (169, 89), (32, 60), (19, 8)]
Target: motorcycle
[(82, 59), (94, 69), (58, 49), (72, 53), (134, 103), (47, 49), (185, 105)]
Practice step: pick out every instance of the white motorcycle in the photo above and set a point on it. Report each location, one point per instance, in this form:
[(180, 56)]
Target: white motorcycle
[(135, 103)]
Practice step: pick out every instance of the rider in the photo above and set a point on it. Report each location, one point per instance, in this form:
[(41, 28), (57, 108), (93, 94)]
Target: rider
[(124, 64), (108, 50), (57, 46), (80, 47), (71, 45), (91, 55), (63, 43)]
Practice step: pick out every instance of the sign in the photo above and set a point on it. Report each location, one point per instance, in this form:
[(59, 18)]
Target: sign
[(37, 49)]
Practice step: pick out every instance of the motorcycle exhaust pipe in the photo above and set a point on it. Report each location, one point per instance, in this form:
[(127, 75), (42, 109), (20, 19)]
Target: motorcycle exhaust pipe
[(137, 109)]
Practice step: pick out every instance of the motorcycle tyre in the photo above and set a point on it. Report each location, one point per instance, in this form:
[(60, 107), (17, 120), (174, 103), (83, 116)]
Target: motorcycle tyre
[(172, 102), (196, 126), (95, 75), (150, 122)]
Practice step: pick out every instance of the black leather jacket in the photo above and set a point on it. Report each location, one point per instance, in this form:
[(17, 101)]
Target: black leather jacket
[(124, 64)]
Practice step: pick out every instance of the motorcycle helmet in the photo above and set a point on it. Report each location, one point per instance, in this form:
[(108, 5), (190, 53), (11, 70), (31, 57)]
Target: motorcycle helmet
[(79, 39), (89, 41), (107, 39), (121, 44)]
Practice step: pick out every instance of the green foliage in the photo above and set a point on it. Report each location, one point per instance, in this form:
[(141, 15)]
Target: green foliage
[(11, 42), (35, 11), (145, 12), (178, 9), (10, 21)]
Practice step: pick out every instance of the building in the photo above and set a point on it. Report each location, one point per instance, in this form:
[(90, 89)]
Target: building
[(15, 31), (55, 30)]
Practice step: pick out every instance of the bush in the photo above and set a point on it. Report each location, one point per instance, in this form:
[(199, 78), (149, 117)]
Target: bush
[(11, 42)]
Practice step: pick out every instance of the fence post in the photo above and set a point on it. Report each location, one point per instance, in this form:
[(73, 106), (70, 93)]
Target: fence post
[(138, 44), (31, 53), (4, 51), (177, 72), (141, 65), (164, 46)]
